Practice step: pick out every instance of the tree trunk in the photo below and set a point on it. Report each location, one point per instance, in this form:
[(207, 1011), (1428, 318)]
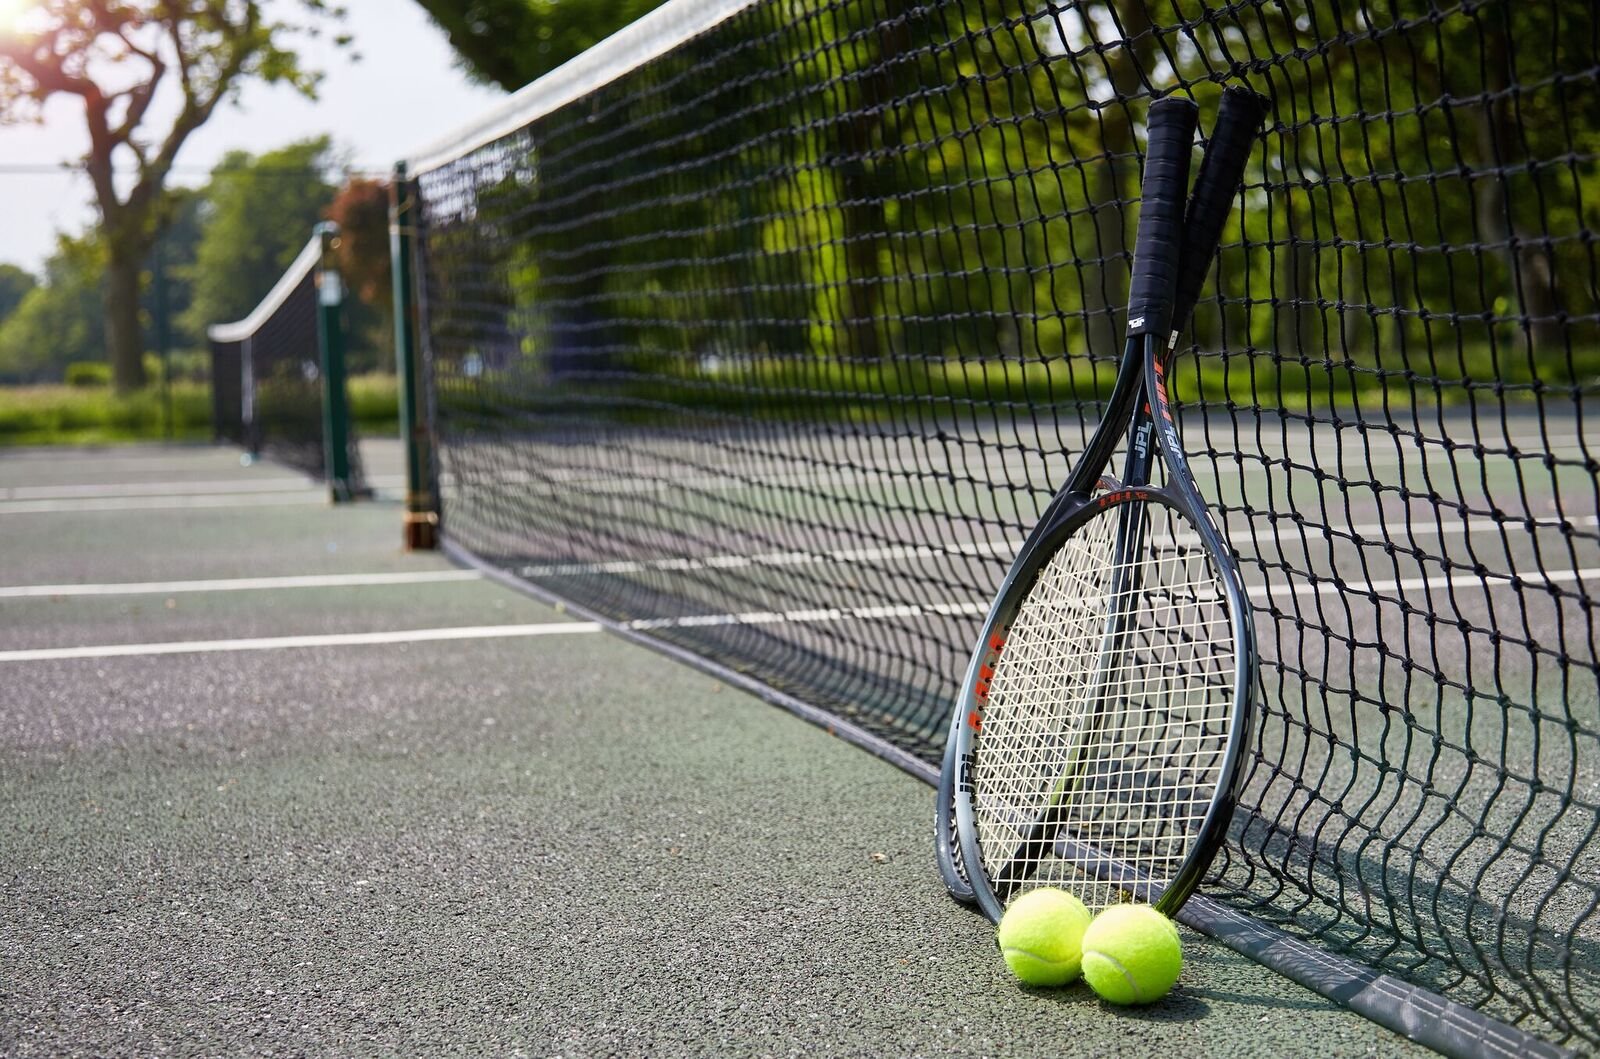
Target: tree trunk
[(1298, 317), (1529, 267), (865, 184), (1105, 281), (124, 342)]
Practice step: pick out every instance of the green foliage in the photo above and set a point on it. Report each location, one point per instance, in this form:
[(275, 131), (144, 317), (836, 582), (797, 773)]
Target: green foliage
[(170, 271), (512, 42), (375, 403), (119, 57), (56, 414), (60, 320), (259, 212), (15, 283), (44, 415), (361, 210), (88, 374), (955, 185)]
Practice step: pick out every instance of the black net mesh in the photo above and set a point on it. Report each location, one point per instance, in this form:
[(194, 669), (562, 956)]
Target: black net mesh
[(267, 388), (775, 345)]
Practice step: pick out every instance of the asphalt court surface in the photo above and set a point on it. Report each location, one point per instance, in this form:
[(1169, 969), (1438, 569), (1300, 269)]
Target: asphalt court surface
[(551, 843)]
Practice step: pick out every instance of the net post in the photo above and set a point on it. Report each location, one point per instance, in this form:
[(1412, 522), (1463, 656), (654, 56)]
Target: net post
[(421, 526), (330, 347)]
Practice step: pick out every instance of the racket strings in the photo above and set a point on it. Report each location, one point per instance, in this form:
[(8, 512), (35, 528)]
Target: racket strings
[(1108, 713)]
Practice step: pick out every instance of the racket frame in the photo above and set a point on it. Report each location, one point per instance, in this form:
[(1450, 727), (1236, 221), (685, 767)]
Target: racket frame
[(1139, 406)]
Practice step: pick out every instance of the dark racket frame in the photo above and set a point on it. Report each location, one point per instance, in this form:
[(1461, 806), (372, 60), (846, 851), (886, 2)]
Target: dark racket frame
[(1173, 253)]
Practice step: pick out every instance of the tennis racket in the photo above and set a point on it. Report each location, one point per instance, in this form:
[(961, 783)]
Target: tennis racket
[(1100, 725)]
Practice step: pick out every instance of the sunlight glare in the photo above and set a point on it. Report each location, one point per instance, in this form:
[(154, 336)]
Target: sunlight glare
[(11, 12)]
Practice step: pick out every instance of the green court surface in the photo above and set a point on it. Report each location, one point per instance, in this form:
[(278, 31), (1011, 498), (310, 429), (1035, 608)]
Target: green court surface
[(547, 843)]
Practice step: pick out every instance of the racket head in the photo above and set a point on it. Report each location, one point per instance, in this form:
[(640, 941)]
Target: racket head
[(1111, 778)]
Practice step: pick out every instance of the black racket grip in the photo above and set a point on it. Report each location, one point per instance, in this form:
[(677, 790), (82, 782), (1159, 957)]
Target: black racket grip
[(1157, 251), (1221, 174)]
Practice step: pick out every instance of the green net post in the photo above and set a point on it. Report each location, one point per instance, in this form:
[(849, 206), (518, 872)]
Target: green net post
[(330, 343), (422, 511)]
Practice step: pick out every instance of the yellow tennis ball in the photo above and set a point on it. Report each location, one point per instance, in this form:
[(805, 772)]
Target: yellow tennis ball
[(1131, 954), (1041, 936)]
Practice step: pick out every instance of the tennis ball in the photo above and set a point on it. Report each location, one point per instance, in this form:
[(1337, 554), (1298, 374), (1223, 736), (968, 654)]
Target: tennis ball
[(1131, 954), (1041, 934)]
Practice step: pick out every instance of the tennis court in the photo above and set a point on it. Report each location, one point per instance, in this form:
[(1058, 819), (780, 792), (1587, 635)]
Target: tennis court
[(766, 336), (548, 843), (740, 361)]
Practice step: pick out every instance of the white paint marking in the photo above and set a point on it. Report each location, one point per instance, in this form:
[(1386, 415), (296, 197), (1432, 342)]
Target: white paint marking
[(305, 498), (1462, 583), (278, 643), (1372, 534), (173, 489), (237, 584)]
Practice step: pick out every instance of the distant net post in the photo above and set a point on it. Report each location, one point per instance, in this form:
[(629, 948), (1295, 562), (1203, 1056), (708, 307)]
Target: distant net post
[(278, 375), (422, 510), (330, 345)]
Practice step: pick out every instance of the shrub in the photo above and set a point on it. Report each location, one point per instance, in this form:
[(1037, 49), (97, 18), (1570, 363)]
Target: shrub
[(87, 373)]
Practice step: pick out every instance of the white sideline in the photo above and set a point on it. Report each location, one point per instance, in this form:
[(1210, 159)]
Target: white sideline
[(277, 643), (235, 584), (1492, 581), (307, 497), (280, 484)]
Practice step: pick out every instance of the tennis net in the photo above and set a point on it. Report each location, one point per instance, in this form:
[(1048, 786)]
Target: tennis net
[(278, 380), (767, 330)]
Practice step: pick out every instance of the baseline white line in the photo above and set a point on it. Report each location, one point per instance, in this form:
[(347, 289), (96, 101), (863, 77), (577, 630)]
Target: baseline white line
[(236, 584), (278, 643)]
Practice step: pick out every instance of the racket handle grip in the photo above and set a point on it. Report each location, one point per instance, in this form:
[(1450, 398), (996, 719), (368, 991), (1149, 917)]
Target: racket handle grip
[(1156, 252), (1221, 174)]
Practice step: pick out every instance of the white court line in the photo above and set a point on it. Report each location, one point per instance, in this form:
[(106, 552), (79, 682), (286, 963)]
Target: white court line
[(222, 487), (1373, 534), (797, 617), (278, 643), (736, 562), (307, 496), (790, 617), (1463, 582), (236, 584), (130, 489)]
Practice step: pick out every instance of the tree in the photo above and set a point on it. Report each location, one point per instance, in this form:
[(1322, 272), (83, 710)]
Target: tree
[(58, 321), (173, 256), (115, 57), (15, 283), (259, 214), (361, 210), (511, 42)]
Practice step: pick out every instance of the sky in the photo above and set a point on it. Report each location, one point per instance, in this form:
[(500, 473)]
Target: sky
[(403, 94)]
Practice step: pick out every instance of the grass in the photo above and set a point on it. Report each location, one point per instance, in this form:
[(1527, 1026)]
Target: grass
[(799, 388), (76, 415)]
